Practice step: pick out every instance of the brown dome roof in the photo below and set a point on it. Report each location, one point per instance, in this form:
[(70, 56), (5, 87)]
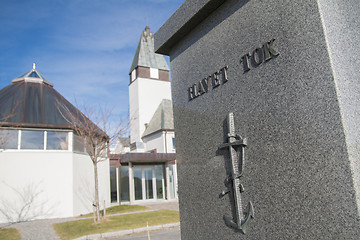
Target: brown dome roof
[(31, 101)]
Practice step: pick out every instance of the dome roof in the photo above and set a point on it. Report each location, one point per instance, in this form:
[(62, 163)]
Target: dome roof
[(31, 101)]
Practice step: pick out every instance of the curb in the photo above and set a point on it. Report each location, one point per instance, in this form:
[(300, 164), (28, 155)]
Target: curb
[(127, 232)]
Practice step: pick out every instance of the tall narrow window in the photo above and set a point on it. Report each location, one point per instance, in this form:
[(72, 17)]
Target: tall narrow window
[(148, 183), (124, 183), (138, 183), (113, 184), (133, 75), (160, 183), (172, 181), (79, 143)]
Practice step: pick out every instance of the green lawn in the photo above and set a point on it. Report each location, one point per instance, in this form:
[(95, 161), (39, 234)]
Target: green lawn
[(75, 229), (10, 234), (120, 209)]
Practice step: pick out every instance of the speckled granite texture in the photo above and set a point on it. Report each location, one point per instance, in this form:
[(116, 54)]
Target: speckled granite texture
[(300, 112)]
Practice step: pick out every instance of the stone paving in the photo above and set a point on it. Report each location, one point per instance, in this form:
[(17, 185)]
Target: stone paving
[(43, 230)]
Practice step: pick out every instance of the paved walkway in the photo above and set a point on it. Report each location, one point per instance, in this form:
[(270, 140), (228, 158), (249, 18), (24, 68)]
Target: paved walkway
[(167, 234), (43, 230)]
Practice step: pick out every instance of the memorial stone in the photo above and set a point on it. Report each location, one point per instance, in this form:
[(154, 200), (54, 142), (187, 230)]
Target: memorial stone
[(266, 99)]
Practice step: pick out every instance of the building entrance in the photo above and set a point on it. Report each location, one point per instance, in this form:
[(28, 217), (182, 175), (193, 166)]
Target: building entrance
[(149, 182)]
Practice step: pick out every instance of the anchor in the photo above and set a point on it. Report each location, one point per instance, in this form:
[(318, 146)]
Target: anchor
[(234, 144)]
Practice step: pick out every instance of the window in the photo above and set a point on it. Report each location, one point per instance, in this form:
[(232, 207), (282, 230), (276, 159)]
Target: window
[(57, 140), (79, 143), (172, 181), (124, 183), (114, 184), (160, 183), (133, 75), (8, 139), (32, 139), (173, 142), (154, 73), (26, 139), (34, 75)]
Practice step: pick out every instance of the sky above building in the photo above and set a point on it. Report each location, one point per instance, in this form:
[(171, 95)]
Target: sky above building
[(83, 47)]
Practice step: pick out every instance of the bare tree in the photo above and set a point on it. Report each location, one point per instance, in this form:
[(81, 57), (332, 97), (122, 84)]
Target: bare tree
[(98, 134)]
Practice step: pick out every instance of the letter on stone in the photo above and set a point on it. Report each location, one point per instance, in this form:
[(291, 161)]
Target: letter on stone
[(191, 93), (224, 72), (269, 50), (245, 60), (205, 82), (196, 92), (201, 89), (216, 80), (258, 56)]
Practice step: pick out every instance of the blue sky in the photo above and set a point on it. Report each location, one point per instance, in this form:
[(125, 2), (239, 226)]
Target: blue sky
[(84, 47)]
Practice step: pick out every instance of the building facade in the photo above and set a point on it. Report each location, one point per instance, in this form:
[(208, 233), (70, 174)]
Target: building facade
[(45, 171), (147, 172)]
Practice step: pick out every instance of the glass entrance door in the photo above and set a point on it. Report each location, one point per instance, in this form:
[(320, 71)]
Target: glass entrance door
[(148, 182)]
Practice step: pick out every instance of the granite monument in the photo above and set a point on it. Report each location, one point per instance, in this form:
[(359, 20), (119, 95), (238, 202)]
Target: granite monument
[(266, 101)]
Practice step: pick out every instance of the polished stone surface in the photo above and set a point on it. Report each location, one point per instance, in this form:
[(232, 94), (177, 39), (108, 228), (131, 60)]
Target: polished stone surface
[(299, 112)]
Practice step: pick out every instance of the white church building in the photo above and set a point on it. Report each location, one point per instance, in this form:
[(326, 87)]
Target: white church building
[(147, 171), (44, 169)]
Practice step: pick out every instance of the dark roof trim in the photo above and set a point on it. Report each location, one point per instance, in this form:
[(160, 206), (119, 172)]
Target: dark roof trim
[(35, 125), (143, 157)]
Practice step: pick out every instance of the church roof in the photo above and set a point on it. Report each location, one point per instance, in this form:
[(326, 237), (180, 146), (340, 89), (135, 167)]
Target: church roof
[(145, 55), (162, 118), (31, 101)]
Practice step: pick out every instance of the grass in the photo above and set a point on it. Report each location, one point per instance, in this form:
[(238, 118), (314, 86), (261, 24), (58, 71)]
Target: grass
[(10, 234), (75, 229), (119, 209)]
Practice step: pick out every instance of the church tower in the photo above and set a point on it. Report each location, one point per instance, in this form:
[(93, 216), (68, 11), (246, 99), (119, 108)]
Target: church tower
[(149, 85)]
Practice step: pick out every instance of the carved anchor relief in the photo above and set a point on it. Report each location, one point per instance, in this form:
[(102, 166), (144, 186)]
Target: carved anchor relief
[(236, 145)]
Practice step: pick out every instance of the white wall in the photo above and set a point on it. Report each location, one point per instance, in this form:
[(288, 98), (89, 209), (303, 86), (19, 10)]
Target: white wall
[(62, 184), (145, 96), (161, 140), (155, 141), (169, 141), (47, 176), (84, 185), (134, 111)]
